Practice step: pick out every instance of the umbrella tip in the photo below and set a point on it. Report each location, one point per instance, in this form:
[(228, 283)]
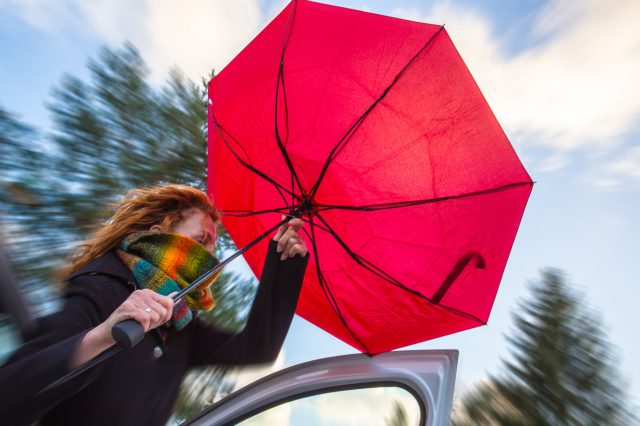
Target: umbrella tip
[(304, 208)]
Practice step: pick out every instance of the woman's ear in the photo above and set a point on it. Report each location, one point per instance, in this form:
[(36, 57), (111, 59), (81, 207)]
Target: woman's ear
[(156, 228), (166, 225)]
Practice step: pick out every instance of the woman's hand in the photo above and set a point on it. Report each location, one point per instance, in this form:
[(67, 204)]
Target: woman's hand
[(290, 243), (147, 307)]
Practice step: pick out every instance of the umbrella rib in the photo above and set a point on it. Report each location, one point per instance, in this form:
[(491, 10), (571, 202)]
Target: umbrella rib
[(285, 209), (368, 265), (221, 132), (352, 130), (283, 196), (324, 286), (310, 222), (400, 204), (280, 82), (246, 213)]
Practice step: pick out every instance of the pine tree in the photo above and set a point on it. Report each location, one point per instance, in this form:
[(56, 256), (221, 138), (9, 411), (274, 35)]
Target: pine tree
[(399, 416), (206, 385), (486, 405), (113, 132), (561, 370), (24, 193), (118, 132)]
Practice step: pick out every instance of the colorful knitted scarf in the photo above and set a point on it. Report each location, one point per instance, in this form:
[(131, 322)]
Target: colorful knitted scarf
[(166, 263)]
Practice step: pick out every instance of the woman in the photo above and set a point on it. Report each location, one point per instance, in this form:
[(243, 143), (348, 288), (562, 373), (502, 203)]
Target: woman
[(158, 240)]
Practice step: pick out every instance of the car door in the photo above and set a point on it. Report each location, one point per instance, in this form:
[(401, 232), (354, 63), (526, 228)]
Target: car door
[(394, 388)]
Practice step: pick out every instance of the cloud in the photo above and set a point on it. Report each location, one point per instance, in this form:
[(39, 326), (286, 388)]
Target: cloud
[(621, 172), (573, 87), (628, 164), (247, 375), (205, 35), (361, 406), (40, 14), (197, 35), (278, 415)]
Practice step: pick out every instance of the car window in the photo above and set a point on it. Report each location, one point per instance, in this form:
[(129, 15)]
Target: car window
[(381, 405)]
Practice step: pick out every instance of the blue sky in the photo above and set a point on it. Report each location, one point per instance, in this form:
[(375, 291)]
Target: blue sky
[(561, 77)]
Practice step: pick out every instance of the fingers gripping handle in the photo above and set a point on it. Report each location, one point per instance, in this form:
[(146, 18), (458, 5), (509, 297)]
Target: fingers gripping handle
[(127, 333)]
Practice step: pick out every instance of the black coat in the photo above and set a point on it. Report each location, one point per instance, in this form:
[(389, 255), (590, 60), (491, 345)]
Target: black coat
[(135, 387)]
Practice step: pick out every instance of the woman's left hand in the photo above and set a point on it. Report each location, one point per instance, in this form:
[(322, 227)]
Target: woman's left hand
[(290, 242)]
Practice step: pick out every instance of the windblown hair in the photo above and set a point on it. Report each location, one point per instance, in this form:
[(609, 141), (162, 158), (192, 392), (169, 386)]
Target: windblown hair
[(139, 210)]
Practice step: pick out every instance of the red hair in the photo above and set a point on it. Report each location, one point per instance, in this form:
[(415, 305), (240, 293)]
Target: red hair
[(139, 210)]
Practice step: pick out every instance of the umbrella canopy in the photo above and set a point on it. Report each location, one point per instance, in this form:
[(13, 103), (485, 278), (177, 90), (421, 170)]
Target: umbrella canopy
[(373, 129)]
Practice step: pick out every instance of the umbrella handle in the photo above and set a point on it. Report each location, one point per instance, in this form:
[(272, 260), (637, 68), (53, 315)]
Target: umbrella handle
[(127, 333)]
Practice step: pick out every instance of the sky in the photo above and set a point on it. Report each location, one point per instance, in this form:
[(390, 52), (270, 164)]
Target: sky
[(560, 75)]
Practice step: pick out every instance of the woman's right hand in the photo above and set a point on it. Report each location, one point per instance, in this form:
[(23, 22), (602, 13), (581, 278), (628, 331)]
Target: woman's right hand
[(147, 307)]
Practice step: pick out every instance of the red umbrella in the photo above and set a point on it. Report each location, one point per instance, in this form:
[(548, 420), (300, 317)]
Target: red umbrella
[(373, 129)]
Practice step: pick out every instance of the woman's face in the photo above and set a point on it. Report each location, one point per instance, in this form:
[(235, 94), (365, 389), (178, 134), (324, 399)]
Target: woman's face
[(198, 226)]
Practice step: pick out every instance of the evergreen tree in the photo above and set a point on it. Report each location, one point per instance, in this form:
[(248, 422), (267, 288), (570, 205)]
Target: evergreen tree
[(399, 416), (562, 370), (486, 405), (117, 132), (111, 133), (24, 193), (233, 296)]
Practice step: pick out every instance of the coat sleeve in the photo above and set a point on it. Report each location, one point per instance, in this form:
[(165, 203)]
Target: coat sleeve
[(47, 356), (268, 323)]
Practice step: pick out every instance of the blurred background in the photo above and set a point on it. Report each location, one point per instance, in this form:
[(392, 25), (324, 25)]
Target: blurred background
[(99, 97)]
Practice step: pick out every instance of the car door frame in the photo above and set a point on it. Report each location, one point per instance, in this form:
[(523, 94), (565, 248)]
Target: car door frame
[(429, 375)]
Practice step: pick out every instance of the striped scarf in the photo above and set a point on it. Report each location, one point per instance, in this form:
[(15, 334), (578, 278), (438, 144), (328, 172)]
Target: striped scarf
[(166, 263)]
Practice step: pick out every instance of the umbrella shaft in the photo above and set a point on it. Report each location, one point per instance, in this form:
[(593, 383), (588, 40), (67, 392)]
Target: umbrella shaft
[(108, 353), (205, 276)]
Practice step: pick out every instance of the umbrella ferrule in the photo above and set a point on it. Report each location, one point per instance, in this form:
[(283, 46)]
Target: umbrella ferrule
[(304, 208)]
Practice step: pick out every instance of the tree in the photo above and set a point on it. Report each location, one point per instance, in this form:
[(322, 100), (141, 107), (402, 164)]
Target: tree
[(24, 190), (111, 133), (486, 405), (206, 385), (117, 132), (399, 416), (562, 370)]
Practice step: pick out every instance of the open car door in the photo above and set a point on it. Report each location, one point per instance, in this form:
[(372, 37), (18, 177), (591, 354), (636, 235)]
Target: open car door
[(393, 388)]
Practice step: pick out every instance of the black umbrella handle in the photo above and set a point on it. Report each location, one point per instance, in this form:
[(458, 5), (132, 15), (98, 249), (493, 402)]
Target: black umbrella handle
[(128, 333)]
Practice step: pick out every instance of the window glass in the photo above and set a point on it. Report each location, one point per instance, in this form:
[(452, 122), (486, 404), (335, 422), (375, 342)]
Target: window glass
[(383, 406)]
